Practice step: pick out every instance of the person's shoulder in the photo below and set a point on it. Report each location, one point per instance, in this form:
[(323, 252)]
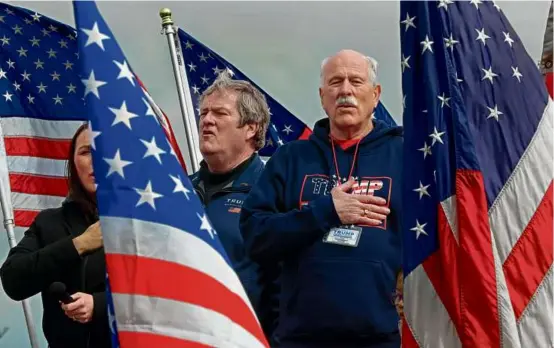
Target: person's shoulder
[(51, 216)]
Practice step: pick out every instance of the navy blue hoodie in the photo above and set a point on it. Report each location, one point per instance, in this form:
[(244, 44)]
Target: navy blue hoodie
[(331, 295)]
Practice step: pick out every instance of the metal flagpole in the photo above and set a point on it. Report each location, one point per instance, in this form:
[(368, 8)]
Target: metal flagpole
[(7, 212), (185, 103)]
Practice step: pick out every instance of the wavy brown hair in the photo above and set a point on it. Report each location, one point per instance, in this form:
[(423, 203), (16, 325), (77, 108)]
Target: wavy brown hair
[(77, 192)]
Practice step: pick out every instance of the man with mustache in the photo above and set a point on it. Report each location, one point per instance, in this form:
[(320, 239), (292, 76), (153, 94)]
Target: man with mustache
[(329, 209), (234, 117)]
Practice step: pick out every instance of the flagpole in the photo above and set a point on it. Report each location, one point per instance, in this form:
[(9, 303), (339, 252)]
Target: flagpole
[(9, 224), (186, 104)]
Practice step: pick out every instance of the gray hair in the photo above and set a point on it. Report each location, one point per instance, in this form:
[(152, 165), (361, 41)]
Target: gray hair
[(372, 72), (251, 104)]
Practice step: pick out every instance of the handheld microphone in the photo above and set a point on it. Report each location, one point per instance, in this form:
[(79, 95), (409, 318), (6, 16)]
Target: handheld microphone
[(58, 291)]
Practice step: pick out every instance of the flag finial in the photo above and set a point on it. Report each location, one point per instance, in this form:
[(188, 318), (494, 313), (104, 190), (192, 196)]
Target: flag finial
[(165, 15)]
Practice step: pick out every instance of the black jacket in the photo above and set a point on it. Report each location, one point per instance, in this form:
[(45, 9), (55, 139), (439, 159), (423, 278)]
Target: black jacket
[(46, 254)]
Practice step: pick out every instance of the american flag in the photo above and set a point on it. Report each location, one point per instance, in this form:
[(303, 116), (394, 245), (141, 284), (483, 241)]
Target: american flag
[(478, 186), (204, 65), (41, 106), (171, 282)]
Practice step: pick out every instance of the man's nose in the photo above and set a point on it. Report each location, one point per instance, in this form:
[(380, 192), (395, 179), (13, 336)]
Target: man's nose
[(345, 88)]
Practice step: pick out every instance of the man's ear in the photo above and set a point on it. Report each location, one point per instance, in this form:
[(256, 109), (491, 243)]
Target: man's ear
[(251, 130), (376, 94)]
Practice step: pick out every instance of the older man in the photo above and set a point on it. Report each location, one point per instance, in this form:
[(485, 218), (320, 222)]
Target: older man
[(329, 210), (234, 117)]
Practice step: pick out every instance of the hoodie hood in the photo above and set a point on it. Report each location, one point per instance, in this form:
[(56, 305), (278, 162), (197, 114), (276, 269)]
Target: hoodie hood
[(378, 135)]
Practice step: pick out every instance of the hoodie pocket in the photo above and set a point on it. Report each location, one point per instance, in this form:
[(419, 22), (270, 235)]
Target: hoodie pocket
[(342, 297)]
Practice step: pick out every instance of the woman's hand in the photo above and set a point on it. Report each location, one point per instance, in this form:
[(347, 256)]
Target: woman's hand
[(90, 240), (81, 309)]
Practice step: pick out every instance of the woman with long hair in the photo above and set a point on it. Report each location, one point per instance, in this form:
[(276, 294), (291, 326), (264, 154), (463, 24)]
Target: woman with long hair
[(65, 245)]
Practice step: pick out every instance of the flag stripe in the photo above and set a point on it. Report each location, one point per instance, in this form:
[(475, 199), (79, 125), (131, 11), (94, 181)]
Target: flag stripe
[(408, 340), (37, 147), (24, 218), (150, 279), (34, 127), (169, 243), (179, 320), (426, 314), (149, 340), (35, 202), (531, 257), (445, 260), (522, 192), (36, 165), (477, 274), (38, 184), (536, 324)]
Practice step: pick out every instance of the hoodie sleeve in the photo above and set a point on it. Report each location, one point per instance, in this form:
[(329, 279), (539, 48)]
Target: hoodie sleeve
[(270, 230)]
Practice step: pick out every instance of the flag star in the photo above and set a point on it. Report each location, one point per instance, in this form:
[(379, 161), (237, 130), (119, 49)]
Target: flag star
[(11, 65), (63, 43), (458, 79), (482, 36), (269, 142), (419, 229), (51, 53), (147, 195), (516, 73), (58, 100), (72, 37), (195, 90), (179, 187), (35, 42), (45, 32), (92, 134), (124, 72), (444, 4), (426, 149), (427, 44), (450, 42), (26, 20), (494, 112), (489, 75), (26, 76), (217, 70), (17, 86), (152, 149), (149, 110), (476, 3), (171, 150), (2, 19), (111, 321), (31, 99), (42, 88), (53, 28), (122, 115), (422, 190), (203, 58), (92, 85), (22, 52), (55, 76), (404, 101), (2, 74), (288, 129), (205, 225), (508, 39), (39, 64), (404, 62), (36, 17), (71, 88), (435, 175), (205, 80), (192, 67), (444, 100), (8, 96), (408, 22), (68, 65), (188, 45), (436, 136), (17, 30), (279, 141), (117, 164), (6, 41), (95, 36), (76, 54)]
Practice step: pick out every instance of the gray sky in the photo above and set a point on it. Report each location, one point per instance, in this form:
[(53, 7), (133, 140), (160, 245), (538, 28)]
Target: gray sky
[(279, 45)]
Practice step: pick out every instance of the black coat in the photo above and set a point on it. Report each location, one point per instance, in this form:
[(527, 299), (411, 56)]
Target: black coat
[(46, 254)]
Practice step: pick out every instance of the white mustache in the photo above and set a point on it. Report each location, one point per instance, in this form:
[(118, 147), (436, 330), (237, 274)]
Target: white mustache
[(350, 101)]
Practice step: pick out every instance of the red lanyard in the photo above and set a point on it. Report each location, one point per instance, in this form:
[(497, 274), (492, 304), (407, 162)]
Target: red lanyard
[(337, 164)]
